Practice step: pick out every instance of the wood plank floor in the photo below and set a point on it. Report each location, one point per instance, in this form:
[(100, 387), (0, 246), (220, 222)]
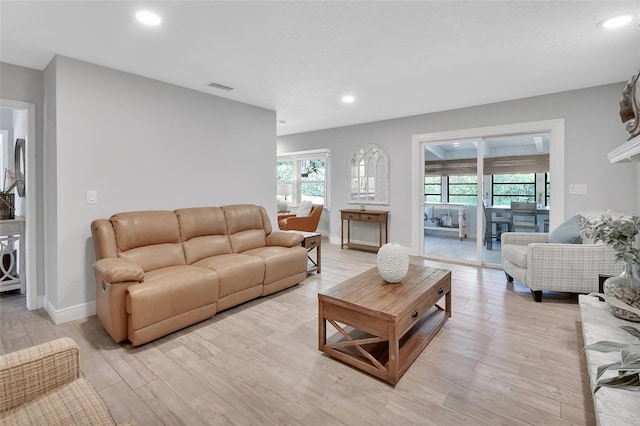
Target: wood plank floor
[(501, 359)]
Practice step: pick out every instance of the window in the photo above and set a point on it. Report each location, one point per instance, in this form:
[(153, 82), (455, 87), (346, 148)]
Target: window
[(463, 189), (510, 187), (303, 176), (433, 189), (369, 176)]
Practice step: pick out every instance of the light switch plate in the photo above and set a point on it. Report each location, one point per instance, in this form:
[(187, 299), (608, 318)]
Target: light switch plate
[(579, 189), (92, 197)]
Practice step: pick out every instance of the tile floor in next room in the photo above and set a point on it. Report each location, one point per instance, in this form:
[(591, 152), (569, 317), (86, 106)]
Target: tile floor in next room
[(501, 359)]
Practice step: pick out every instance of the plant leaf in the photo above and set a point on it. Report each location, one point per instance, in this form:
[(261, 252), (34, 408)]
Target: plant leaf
[(626, 381), (631, 330), (605, 346), (607, 367), (630, 356)]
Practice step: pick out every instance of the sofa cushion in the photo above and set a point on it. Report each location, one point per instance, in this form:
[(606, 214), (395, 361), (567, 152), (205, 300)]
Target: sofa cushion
[(170, 291), (516, 254), (148, 238), (236, 272), (204, 233), (281, 262), (568, 232), (304, 209), (246, 227)]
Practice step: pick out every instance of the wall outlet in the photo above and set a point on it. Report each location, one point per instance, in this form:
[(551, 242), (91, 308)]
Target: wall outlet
[(580, 189), (92, 197)]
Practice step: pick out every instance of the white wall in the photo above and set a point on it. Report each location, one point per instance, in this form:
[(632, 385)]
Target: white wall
[(142, 145), (592, 129), (26, 85)]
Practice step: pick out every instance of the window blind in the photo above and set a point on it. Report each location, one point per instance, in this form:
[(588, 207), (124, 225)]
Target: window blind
[(492, 165)]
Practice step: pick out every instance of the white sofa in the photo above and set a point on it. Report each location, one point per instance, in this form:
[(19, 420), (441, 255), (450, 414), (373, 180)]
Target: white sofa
[(574, 268)]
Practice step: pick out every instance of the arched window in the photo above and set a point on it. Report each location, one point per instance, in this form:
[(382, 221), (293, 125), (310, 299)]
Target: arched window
[(369, 176)]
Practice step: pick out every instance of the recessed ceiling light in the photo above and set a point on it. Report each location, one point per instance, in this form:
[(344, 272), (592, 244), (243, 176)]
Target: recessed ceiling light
[(616, 21), (282, 122), (347, 99), (148, 18)]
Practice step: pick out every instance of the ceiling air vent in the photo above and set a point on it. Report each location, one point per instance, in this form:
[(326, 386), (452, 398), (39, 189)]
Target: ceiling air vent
[(220, 86)]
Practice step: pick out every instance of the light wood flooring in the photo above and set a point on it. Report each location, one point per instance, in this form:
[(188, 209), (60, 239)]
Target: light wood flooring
[(501, 359)]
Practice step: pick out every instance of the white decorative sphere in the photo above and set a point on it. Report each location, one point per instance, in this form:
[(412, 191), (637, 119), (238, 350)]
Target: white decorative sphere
[(393, 262), (282, 206)]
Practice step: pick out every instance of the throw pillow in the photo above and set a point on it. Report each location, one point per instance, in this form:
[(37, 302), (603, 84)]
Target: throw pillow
[(568, 232), (304, 209)]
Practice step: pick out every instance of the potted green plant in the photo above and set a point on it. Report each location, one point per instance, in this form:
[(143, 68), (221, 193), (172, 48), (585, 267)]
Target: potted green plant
[(7, 197), (619, 233)]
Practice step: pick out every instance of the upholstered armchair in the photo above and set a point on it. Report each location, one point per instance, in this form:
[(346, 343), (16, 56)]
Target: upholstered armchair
[(533, 260), (42, 385), (292, 222)]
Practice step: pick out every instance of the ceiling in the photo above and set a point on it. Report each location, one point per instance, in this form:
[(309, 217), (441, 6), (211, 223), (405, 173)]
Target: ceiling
[(299, 58)]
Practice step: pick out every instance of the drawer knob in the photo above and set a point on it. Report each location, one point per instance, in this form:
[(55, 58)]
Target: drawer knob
[(441, 291), (313, 243), (415, 314), (368, 217)]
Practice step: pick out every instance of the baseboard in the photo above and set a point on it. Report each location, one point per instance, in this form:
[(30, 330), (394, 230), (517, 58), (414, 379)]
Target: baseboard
[(72, 313)]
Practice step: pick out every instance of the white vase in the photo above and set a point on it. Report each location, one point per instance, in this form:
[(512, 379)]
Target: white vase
[(393, 262), (282, 206)]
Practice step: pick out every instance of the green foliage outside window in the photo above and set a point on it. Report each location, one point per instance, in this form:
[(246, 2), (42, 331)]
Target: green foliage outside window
[(463, 189), (284, 171), (514, 187)]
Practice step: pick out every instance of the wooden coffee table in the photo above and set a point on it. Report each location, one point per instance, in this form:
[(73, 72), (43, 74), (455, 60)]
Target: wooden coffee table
[(382, 327)]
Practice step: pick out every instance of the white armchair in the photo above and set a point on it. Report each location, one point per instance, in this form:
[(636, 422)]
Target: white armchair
[(574, 268)]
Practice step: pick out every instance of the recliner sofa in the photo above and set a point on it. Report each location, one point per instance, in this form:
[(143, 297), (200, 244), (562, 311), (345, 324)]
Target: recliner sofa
[(160, 271)]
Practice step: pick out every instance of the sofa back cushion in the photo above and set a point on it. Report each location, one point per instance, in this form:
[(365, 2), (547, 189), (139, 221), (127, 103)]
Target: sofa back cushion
[(204, 233), (246, 226), (148, 238)]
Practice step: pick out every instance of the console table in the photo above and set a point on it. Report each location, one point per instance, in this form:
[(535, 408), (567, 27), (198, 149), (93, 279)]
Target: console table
[(381, 217), (12, 267), (612, 406)]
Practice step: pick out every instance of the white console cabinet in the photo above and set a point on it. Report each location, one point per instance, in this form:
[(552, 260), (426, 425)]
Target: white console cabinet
[(448, 217), (12, 254)]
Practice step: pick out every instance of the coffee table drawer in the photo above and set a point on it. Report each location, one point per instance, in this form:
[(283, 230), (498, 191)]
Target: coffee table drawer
[(417, 311)]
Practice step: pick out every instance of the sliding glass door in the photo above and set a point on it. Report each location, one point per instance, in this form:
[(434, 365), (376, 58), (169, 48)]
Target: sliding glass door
[(469, 188), (450, 200)]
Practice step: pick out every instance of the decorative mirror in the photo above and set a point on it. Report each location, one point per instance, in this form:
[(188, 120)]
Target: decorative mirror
[(369, 176), (18, 159)]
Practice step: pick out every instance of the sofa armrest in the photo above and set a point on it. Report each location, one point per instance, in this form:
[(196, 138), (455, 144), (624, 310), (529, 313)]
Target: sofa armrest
[(524, 238), (115, 270), (284, 239), (285, 216), (29, 373), (569, 267)]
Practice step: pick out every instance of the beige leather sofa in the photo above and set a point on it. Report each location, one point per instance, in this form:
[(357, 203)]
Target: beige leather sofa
[(160, 271)]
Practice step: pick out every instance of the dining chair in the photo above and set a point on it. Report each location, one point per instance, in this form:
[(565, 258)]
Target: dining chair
[(524, 215), (490, 220)]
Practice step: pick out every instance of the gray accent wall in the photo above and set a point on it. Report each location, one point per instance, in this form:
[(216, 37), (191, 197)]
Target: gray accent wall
[(592, 129)]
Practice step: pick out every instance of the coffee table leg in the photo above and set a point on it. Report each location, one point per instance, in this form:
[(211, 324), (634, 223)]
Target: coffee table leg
[(322, 327), (447, 300), (394, 353)]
